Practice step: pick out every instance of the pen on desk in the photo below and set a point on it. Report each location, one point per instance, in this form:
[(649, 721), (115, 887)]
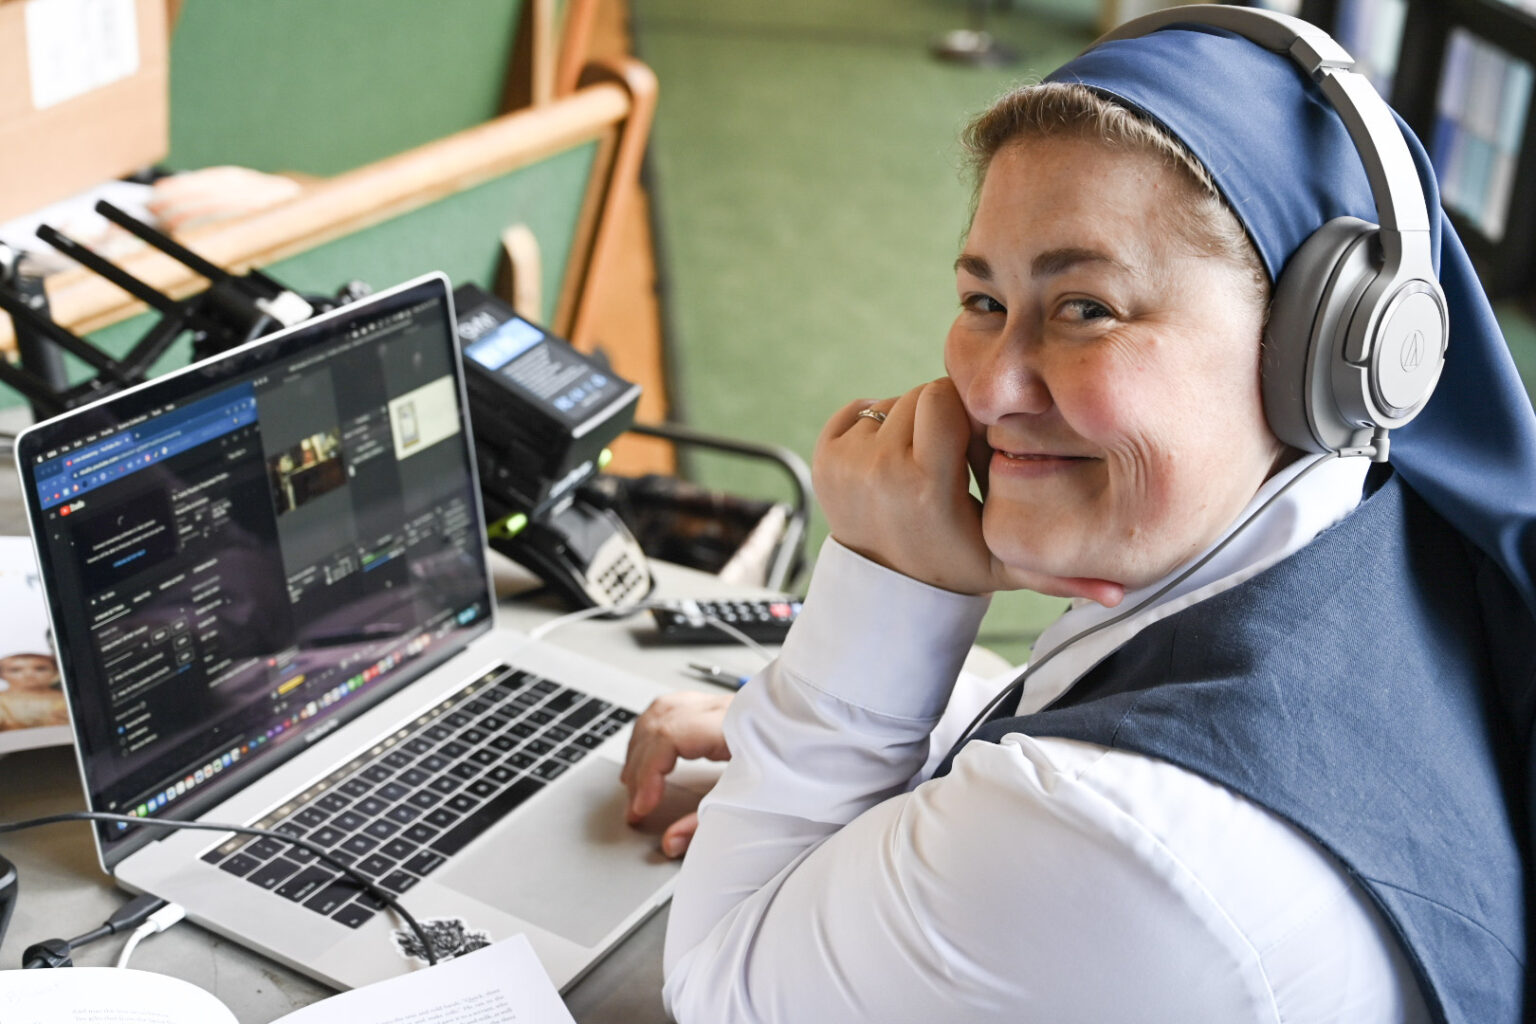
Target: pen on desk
[(716, 674)]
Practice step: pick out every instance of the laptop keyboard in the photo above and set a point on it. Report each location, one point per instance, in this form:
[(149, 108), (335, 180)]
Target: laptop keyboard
[(397, 812)]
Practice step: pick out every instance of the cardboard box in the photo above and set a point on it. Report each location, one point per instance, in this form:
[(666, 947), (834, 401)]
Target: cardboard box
[(70, 123)]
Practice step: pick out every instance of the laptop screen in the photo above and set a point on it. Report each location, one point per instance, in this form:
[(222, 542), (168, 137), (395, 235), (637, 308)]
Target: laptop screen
[(245, 554)]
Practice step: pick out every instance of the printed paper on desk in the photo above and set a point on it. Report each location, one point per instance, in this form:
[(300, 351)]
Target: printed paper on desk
[(499, 984), (106, 995), (502, 983), (32, 709)]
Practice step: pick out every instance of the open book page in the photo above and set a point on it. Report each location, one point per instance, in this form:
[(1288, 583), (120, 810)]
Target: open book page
[(105, 995), (503, 983), (32, 709)]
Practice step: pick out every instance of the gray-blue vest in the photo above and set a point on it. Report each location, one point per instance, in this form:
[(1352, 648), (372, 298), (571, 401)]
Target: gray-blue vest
[(1350, 690)]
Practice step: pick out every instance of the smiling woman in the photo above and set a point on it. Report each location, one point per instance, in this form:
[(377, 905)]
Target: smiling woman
[(1110, 366), (1270, 765)]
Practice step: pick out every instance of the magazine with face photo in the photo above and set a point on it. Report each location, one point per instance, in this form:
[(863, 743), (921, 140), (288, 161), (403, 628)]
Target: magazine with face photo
[(32, 708)]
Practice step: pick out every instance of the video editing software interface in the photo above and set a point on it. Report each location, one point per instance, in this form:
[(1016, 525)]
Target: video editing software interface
[(250, 561)]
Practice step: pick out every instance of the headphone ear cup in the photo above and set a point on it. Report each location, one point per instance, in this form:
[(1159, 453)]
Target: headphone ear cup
[(1309, 317)]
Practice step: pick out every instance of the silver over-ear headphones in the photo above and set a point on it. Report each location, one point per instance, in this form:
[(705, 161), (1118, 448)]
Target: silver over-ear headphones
[(1358, 327)]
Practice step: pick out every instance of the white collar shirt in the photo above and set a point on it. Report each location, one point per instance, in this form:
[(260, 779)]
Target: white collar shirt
[(1040, 880)]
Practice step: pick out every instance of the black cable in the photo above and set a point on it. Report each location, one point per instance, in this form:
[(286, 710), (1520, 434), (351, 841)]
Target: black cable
[(129, 915), (99, 932), (133, 913), (364, 881), (57, 952)]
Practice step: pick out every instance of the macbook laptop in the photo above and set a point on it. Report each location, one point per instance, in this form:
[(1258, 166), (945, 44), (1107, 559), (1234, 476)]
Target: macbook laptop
[(268, 588)]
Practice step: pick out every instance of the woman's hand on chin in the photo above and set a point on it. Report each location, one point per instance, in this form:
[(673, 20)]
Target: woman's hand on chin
[(897, 492)]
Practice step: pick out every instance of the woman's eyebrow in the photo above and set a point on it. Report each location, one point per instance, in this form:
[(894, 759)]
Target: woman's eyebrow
[(974, 265), (1056, 261), (1046, 264)]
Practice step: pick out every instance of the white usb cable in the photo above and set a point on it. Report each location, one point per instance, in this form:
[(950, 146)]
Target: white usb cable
[(159, 921)]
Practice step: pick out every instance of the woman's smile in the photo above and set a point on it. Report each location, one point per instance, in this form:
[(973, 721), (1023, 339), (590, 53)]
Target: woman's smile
[(1032, 464)]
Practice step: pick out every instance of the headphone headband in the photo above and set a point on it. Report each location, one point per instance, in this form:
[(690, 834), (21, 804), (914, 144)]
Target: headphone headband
[(1358, 326), (1389, 167)]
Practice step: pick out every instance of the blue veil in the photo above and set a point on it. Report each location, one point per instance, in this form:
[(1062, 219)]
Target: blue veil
[(1283, 159)]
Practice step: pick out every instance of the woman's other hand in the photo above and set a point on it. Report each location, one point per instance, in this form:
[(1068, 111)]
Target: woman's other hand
[(679, 725), (898, 491)]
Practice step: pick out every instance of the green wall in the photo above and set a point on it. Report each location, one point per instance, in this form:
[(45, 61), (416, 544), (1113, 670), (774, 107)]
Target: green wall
[(322, 86)]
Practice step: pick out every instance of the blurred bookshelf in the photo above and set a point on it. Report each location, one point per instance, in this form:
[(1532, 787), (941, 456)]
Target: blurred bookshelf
[(1461, 73)]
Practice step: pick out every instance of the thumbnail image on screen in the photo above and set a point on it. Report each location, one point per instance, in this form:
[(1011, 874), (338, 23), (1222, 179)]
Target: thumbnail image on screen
[(306, 470)]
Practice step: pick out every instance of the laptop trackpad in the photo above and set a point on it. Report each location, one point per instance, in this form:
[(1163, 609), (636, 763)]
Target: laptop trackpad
[(567, 861)]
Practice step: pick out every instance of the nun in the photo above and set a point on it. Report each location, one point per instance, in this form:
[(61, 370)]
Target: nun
[(1226, 382)]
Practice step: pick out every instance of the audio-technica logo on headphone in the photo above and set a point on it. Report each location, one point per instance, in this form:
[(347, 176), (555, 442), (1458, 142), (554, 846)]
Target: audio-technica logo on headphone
[(1412, 352)]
